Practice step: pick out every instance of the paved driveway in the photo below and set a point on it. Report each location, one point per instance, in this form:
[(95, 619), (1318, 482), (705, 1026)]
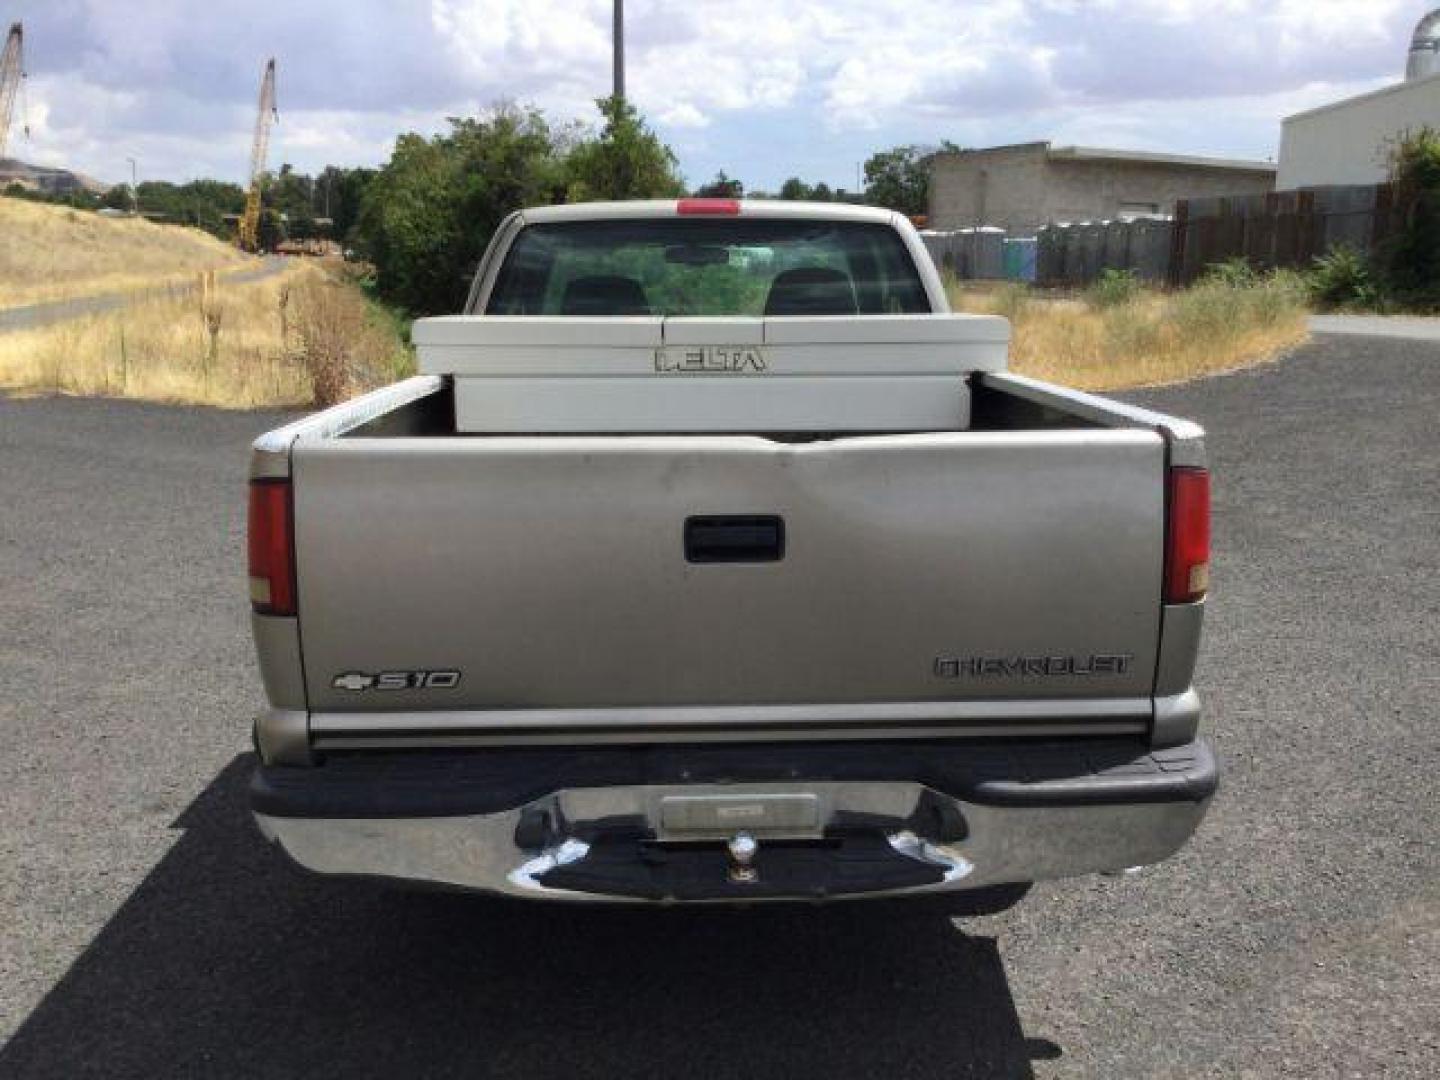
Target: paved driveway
[(148, 932), (1387, 326)]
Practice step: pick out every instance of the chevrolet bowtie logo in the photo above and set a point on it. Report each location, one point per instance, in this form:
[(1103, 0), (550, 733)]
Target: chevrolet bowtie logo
[(353, 680), (424, 679)]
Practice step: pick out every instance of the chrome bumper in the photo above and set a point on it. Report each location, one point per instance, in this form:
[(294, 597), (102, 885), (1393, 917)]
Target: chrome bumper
[(1000, 843)]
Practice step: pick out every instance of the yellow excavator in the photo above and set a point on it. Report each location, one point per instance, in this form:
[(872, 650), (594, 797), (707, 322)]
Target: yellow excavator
[(269, 114)]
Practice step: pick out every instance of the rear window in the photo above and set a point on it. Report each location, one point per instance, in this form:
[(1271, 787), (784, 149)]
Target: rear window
[(708, 267)]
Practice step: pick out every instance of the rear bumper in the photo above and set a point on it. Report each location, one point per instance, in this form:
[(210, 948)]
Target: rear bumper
[(651, 823)]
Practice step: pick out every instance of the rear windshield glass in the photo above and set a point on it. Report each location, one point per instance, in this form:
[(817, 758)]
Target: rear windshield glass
[(705, 266)]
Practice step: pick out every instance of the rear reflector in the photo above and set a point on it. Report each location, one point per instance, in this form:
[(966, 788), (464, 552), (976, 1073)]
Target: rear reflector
[(272, 556), (1187, 536), (708, 206)]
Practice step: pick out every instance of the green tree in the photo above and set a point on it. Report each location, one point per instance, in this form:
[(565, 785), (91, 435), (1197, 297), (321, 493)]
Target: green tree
[(205, 203), (722, 187), (272, 229), (338, 196), (77, 198), (797, 190), (291, 195), (201, 203), (116, 197), (899, 178), (626, 161), (427, 215)]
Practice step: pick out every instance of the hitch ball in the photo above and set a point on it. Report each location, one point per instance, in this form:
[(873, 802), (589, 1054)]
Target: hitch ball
[(742, 848)]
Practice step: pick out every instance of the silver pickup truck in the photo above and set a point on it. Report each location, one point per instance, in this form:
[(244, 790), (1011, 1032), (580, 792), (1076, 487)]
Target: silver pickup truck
[(711, 558)]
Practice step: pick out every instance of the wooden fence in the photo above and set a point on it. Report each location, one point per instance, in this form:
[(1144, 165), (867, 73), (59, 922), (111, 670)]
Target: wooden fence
[(1283, 229)]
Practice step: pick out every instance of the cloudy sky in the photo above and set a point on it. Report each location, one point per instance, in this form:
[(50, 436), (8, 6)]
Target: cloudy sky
[(762, 88)]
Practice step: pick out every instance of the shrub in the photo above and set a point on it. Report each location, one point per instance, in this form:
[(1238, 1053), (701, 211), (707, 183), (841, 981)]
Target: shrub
[(1342, 278), (1279, 296), (1112, 288), (1237, 273), (1226, 305), (1409, 260)]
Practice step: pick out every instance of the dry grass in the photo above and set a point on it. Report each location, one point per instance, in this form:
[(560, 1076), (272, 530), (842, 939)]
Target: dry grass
[(1149, 339), (296, 339), (343, 345), (53, 253)]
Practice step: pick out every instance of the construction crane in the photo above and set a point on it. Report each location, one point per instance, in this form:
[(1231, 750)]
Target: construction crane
[(12, 81), (269, 114)]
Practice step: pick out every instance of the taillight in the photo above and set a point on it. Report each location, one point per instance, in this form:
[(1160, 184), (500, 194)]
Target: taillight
[(729, 207), (1187, 536), (272, 551)]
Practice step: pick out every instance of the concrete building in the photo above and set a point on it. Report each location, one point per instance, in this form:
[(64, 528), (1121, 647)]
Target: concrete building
[(1348, 142), (1020, 188)]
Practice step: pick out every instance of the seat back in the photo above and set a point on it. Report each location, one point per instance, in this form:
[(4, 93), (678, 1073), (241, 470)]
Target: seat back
[(604, 294), (811, 290)]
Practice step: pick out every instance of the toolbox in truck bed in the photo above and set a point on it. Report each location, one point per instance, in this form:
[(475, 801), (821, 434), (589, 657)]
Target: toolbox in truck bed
[(650, 374)]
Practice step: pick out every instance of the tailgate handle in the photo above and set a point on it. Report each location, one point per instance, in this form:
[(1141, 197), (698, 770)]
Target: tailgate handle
[(735, 538)]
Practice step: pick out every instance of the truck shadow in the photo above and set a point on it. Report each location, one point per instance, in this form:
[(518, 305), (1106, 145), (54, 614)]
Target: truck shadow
[(227, 961)]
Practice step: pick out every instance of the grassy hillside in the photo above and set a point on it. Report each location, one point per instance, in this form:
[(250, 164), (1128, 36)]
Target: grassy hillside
[(53, 252), (300, 337)]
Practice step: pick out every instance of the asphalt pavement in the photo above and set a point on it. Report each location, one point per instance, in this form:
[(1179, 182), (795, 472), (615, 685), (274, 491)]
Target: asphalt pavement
[(149, 932)]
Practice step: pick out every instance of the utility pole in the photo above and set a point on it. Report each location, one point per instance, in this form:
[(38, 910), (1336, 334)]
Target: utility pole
[(619, 37), (134, 188)]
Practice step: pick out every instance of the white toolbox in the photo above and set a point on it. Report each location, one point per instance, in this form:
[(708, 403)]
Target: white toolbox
[(521, 374)]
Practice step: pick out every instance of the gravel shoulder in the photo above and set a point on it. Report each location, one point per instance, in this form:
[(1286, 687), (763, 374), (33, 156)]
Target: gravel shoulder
[(150, 932)]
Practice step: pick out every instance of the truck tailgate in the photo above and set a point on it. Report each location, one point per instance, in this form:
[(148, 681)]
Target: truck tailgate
[(553, 572)]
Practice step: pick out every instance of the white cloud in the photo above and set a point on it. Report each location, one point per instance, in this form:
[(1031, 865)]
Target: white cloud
[(683, 115), (743, 84), (548, 51)]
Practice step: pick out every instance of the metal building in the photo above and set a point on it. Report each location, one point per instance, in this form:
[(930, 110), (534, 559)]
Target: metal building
[(1349, 142)]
